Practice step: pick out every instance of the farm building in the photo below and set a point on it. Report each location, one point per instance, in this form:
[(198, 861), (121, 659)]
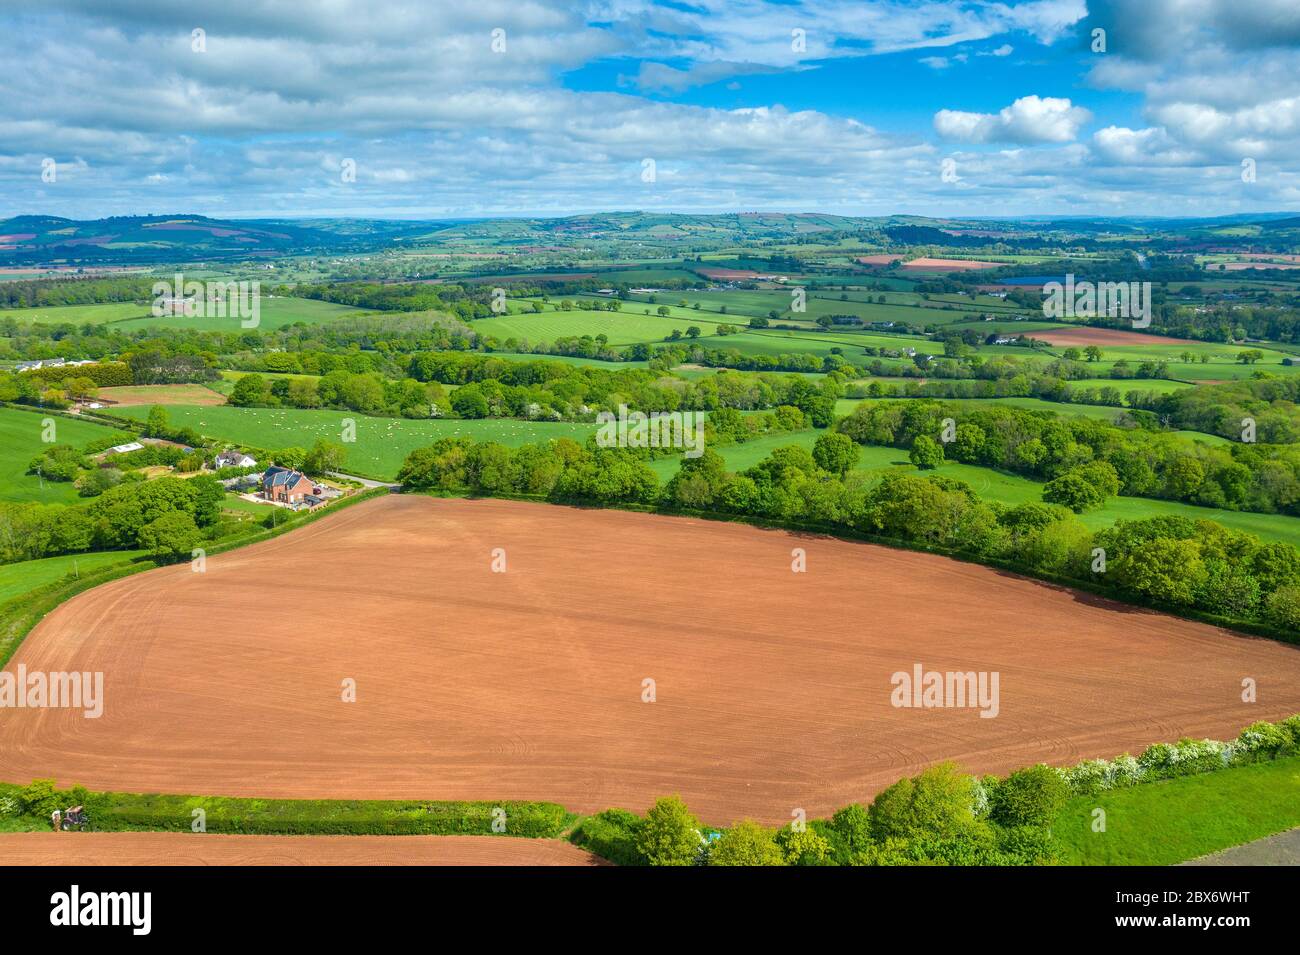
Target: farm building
[(122, 449)]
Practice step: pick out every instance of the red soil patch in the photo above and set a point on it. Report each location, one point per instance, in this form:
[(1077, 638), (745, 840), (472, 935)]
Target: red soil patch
[(128, 395), (176, 848), (773, 688), (878, 259), (726, 274), (1082, 336), (950, 265)]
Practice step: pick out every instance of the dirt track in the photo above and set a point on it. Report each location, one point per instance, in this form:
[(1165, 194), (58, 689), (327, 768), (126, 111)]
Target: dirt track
[(773, 688), (175, 848)]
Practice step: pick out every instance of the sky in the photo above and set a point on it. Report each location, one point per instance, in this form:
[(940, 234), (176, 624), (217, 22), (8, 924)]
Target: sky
[(434, 109)]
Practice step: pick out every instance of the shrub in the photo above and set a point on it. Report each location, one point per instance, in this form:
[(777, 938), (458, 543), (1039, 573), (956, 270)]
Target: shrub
[(670, 834), (612, 835), (746, 843), (1028, 797), (808, 847), (849, 832), (1125, 771), (940, 802), (1282, 608), (1259, 743), (1088, 778)]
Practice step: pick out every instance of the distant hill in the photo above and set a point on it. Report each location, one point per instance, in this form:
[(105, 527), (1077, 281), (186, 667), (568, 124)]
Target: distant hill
[(124, 240), (146, 239)]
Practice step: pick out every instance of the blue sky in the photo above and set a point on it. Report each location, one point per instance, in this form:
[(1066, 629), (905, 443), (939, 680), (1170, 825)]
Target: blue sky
[(404, 109)]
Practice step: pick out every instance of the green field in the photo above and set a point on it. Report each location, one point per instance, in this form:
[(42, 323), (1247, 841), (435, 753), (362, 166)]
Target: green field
[(627, 327), (1101, 412), (77, 314), (20, 442), (274, 313), (1179, 819), (382, 444), (27, 575)]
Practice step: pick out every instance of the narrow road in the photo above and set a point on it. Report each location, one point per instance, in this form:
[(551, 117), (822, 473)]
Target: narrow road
[(367, 482)]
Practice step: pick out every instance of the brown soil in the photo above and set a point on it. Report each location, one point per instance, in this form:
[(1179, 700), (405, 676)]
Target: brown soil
[(950, 265), (127, 395), (773, 688), (1083, 336), (176, 848)]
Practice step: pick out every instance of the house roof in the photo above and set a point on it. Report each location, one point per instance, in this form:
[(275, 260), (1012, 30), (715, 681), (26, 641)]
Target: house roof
[(276, 476)]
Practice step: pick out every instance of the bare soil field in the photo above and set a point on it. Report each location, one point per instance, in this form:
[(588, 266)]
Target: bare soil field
[(772, 689), (178, 848), (126, 395), (1082, 336), (950, 265)]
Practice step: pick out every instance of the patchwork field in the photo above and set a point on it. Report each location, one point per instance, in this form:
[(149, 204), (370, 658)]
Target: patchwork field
[(772, 689)]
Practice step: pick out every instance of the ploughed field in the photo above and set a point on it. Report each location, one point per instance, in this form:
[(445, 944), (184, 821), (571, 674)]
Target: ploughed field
[(772, 689), (177, 848)]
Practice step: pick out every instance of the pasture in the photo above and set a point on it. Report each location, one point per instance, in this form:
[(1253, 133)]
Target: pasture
[(20, 442), (275, 312), (27, 575), (382, 444)]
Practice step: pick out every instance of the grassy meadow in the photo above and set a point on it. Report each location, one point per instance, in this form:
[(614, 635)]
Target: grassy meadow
[(382, 444), (20, 442)]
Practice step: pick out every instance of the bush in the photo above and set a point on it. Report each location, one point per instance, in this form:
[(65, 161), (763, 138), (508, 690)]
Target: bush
[(1260, 742), (612, 835), (746, 843), (1088, 778), (806, 847), (1028, 797), (940, 802), (670, 835)]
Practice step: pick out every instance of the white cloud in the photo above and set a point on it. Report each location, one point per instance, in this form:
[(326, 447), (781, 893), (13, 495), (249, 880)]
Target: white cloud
[(1030, 119)]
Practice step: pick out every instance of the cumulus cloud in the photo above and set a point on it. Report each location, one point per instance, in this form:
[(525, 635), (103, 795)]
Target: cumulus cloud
[(438, 122), (1030, 119)]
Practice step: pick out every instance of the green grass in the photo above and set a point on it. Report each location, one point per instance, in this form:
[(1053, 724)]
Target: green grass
[(627, 327), (1175, 820), (382, 444), (77, 314), (20, 442), (27, 575), (274, 313)]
